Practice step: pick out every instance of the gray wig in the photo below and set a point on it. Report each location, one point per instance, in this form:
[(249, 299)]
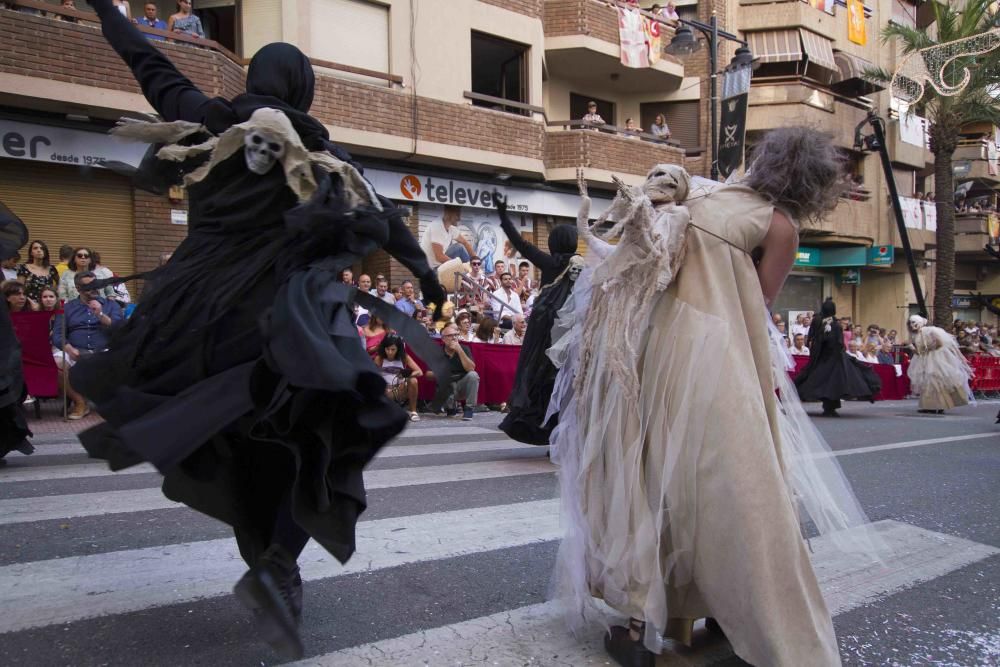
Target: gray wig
[(799, 170)]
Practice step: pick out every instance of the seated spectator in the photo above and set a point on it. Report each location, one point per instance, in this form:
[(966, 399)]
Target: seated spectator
[(854, 349), (184, 21), (407, 302), (592, 116), (347, 277), (891, 336), (487, 331), (397, 293), (799, 349), (9, 267), (81, 260), (464, 380), (67, 4), (659, 128), (516, 335), (885, 355), (776, 318), (150, 19), (65, 254), (800, 327), (382, 291), (631, 131), (374, 332), (868, 353), (17, 300), (464, 323), (37, 273), (493, 279), (781, 329), (48, 299), (508, 296), (89, 319), (400, 373), (525, 283)]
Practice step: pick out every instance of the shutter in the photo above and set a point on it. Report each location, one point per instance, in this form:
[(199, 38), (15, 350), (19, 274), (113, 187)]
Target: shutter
[(683, 119), (70, 205)]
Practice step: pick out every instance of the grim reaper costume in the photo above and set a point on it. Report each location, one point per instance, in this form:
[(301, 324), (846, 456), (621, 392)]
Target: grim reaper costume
[(831, 374), (14, 430), (674, 508), (529, 400), (240, 376), (939, 373)]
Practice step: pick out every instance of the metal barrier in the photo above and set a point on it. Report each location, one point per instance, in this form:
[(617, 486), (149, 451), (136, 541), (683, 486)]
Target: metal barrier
[(986, 381)]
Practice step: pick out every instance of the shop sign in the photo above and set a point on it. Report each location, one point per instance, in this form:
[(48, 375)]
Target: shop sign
[(807, 256), (961, 168), (850, 277), (178, 216), (43, 143), (882, 255), (963, 302), (405, 187)]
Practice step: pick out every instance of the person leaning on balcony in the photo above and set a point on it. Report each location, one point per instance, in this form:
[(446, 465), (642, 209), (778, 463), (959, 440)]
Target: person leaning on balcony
[(592, 116), (659, 128), (184, 21), (66, 4), (149, 19), (123, 7), (631, 131)]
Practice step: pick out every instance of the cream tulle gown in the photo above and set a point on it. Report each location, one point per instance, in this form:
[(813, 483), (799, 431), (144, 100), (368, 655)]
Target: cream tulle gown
[(681, 475)]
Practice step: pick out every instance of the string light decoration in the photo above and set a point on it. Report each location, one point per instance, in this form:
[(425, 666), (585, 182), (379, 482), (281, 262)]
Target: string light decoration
[(927, 66)]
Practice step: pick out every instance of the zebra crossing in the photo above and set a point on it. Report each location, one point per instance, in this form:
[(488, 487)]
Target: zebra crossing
[(452, 566)]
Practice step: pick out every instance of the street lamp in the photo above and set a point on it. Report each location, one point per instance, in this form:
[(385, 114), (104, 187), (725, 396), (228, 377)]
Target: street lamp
[(685, 44)]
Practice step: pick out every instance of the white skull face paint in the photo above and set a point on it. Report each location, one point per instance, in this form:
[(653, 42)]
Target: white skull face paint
[(665, 183), (262, 150)]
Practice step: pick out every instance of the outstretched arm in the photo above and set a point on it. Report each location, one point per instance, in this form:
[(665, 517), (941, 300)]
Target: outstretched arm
[(169, 92), (540, 259), (600, 248)]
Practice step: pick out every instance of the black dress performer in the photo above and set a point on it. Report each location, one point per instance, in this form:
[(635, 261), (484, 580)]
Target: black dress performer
[(14, 430), (240, 376), (533, 383), (832, 374)]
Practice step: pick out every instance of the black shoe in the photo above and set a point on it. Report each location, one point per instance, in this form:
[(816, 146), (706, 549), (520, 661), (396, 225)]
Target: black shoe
[(626, 651), (713, 627), (830, 413), (272, 590)]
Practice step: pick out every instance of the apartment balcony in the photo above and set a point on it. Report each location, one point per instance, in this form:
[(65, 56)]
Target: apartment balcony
[(602, 154), (775, 15), (976, 160), (907, 151), (855, 220), (794, 101), (972, 232), (51, 65), (582, 45)]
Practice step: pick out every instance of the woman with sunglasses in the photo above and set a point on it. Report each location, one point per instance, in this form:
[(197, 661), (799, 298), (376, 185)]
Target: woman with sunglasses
[(82, 260), (37, 273)]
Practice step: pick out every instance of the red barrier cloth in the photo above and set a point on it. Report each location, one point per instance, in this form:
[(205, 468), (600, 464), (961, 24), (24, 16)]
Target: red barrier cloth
[(987, 372), (496, 365), (40, 371), (893, 388)]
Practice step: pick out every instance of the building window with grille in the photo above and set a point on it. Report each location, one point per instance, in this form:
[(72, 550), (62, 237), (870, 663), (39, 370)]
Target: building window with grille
[(499, 71)]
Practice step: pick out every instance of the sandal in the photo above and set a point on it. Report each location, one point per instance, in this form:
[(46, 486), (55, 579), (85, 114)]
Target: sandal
[(626, 651), (414, 417)]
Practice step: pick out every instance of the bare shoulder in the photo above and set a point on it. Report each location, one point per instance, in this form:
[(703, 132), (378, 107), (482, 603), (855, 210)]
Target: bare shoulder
[(782, 230)]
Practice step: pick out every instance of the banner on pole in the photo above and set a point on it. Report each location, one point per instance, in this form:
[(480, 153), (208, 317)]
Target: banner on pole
[(732, 133), (856, 31)]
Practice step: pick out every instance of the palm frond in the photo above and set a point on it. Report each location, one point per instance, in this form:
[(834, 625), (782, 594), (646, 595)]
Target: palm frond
[(911, 39), (877, 74)]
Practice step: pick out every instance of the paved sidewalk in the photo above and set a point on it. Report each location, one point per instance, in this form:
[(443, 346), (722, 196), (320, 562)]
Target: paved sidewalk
[(52, 425)]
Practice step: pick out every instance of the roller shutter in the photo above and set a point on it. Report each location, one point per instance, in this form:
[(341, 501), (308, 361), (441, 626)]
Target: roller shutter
[(70, 205), (683, 121)]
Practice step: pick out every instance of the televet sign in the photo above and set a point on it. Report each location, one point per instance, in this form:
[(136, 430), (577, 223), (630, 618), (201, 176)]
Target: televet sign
[(441, 190), (42, 143)]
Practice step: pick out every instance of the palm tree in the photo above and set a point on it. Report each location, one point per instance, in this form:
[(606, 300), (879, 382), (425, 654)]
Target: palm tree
[(947, 115)]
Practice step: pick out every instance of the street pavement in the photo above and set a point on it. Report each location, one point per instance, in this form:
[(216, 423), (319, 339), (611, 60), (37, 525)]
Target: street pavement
[(455, 555)]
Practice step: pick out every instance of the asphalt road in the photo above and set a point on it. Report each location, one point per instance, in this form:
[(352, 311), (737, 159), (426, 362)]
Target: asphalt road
[(456, 552)]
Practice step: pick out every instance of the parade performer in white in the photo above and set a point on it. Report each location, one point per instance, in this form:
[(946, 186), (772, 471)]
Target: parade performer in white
[(939, 373)]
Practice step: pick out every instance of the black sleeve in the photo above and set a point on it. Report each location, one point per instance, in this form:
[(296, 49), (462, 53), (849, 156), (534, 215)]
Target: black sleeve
[(836, 337), (169, 92), (403, 246), (541, 259)]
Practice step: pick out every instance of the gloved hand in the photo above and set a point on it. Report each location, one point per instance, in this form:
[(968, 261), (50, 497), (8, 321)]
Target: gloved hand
[(432, 292)]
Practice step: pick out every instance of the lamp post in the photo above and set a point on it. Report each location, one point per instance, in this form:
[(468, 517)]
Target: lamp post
[(685, 44)]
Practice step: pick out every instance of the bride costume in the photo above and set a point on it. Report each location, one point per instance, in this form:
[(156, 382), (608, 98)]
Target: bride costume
[(685, 481), (939, 372)]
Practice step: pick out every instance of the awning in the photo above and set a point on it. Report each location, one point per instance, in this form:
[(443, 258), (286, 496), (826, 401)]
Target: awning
[(819, 50), (776, 46), (850, 80)]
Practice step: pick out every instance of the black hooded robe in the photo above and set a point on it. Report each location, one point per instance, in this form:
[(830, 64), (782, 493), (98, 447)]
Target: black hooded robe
[(14, 429), (536, 375), (832, 374), (240, 376)]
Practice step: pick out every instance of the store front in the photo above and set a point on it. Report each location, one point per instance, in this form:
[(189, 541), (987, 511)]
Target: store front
[(53, 179)]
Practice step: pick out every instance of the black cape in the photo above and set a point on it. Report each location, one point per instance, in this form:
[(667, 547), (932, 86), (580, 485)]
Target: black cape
[(13, 427), (832, 374), (240, 375)]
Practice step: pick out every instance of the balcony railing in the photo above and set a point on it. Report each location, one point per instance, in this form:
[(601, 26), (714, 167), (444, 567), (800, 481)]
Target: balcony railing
[(977, 159), (975, 230), (566, 150)]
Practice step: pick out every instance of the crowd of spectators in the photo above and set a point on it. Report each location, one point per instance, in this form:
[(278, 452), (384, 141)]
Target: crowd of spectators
[(659, 130), (183, 21)]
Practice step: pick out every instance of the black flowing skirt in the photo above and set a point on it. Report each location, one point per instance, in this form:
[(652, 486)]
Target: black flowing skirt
[(836, 375), (536, 375)]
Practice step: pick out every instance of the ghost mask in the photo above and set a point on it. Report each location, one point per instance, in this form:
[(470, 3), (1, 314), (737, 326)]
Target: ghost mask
[(262, 151), (917, 323), (666, 183), (575, 267)]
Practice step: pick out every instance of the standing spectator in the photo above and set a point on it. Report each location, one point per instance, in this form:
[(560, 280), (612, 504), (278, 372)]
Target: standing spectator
[(17, 300), (799, 349), (631, 131), (9, 266), (526, 285), (67, 4), (800, 326), (347, 277), (507, 295), (443, 241), (89, 321), (885, 355), (37, 273), (80, 260), (365, 283), (400, 373), (776, 318), (184, 21), (382, 291), (494, 279), (668, 13), (469, 296), (660, 129), (516, 335), (464, 380), (123, 7), (65, 255), (408, 303), (487, 331), (592, 116), (150, 19)]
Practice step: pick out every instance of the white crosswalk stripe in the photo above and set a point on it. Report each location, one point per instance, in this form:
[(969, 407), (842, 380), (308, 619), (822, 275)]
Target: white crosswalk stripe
[(49, 594)]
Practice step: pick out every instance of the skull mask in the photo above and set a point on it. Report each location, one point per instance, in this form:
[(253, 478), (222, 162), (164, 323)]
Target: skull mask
[(917, 323), (262, 150), (575, 267), (666, 183)]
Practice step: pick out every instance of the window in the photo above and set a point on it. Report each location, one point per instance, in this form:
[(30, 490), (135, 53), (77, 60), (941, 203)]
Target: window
[(218, 18), (578, 107), (499, 69), (350, 32)]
